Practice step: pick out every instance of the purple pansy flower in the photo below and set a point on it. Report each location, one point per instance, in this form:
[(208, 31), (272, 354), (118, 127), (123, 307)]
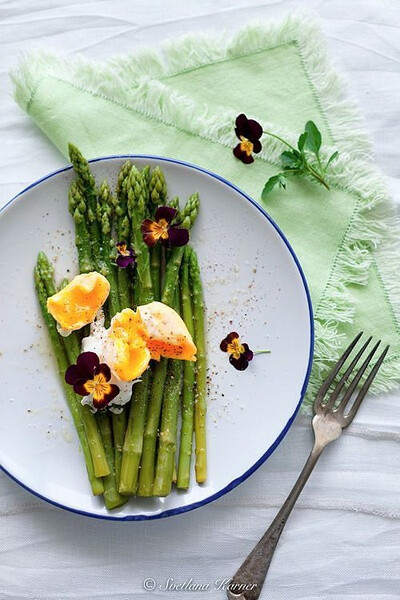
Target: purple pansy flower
[(239, 354), (89, 376), (161, 229), (126, 255), (249, 132)]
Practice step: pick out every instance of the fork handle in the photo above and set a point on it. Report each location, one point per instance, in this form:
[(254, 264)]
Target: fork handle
[(248, 580)]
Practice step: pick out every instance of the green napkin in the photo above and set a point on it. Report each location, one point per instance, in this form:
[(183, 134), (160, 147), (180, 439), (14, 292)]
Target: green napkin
[(182, 103)]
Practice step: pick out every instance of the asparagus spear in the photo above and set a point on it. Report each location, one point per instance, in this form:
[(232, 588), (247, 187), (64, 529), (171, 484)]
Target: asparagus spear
[(88, 187), (175, 203), (157, 188), (124, 285), (103, 215), (63, 283), (147, 468), (133, 444), (119, 423), (95, 460), (146, 172), (174, 263), (98, 222), (165, 466), (189, 370), (168, 430), (158, 197), (137, 208), (201, 366), (77, 208), (122, 228), (112, 498)]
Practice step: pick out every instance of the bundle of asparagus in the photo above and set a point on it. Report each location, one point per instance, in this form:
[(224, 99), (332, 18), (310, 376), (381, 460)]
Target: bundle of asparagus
[(135, 451)]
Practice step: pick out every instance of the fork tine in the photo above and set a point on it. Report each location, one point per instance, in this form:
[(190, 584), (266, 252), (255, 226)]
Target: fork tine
[(328, 381), (362, 393), (355, 381), (346, 375)]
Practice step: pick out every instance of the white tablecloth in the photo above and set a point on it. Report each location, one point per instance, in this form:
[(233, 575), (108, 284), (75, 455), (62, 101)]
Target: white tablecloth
[(343, 540)]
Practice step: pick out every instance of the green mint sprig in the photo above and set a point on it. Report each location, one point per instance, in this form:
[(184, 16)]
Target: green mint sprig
[(303, 160)]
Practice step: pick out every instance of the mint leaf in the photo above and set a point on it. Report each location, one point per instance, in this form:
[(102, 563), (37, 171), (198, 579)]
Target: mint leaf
[(313, 140), (282, 181), (290, 159), (271, 183), (302, 140), (331, 159)]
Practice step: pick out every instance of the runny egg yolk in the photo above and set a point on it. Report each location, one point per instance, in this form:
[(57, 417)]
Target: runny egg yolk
[(154, 330), (77, 304), (130, 356)]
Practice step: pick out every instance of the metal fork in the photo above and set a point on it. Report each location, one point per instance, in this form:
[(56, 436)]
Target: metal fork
[(328, 423)]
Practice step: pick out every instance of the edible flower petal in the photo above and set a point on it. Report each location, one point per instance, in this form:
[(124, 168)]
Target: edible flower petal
[(249, 132), (168, 213), (160, 229), (90, 377), (239, 353), (126, 255), (178, 236)]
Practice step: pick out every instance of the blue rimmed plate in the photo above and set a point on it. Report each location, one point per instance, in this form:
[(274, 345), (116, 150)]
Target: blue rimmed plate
[(253, 284)]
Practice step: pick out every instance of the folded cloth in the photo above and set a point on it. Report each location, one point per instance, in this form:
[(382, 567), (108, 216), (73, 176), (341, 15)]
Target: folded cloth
[(182, 103)]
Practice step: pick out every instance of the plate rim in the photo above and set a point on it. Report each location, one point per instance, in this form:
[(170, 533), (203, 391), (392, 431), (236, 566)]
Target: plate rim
[(235, 482)]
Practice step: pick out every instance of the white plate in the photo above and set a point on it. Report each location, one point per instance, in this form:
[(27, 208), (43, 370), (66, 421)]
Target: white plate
[(253, 284)]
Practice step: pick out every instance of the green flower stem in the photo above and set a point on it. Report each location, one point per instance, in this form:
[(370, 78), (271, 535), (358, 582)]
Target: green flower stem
[(317, 176), (201, 368), (188, 396), (261, 352), (112, 498), (280, 139), (74, 404)]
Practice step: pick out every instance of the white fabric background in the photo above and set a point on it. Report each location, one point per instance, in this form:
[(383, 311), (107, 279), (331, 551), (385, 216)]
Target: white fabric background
[(343, 540)]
